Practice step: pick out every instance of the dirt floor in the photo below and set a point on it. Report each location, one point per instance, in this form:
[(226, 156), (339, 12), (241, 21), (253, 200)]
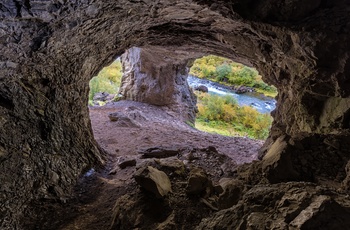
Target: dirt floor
[(110, 198)]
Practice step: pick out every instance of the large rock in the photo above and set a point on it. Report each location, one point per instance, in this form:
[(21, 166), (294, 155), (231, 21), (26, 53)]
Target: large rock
[(150, 78), (153, 180), (243, 89), (202, 88), (173, 165), (198, 182), (123, 120), (277, 163), (100, 96), (131, 212), (159, 152), (232, 190)]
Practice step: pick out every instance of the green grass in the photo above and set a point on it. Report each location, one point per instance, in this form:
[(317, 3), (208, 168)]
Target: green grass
[(222, 129), (271, 94)]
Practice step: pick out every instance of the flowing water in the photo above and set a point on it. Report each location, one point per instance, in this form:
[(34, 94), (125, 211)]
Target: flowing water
[(260, 102)]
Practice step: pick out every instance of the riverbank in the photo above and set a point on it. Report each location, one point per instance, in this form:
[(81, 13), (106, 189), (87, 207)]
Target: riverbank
[(229, 73), (256, 92), (260, 102)]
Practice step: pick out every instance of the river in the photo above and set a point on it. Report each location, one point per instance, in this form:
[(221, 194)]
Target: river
[(260, 102)]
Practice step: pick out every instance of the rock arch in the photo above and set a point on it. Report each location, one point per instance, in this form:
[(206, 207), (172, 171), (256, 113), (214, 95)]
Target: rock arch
[(50, 49)]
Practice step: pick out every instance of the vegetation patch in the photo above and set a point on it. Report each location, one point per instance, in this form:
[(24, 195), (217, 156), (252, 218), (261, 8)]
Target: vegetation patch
[(227, 72), (107, 80), (217, 114), (224, 116)]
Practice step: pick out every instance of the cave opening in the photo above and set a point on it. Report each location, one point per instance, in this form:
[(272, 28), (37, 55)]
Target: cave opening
[(104, 87), (232, 99)]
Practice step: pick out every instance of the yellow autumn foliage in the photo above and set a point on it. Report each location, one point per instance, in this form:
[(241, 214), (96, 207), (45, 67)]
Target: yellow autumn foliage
[(225, 71), (107, 80), (224, 112)]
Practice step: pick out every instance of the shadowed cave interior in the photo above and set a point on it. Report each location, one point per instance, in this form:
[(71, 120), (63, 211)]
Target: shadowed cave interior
[(51, 49)]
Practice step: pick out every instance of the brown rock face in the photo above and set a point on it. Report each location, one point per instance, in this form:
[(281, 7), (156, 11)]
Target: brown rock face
[(158, 76), (50, 49)]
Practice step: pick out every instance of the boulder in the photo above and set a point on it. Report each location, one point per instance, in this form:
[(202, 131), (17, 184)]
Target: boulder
[(277, 164), (127, 163), (232, 192), (243, 89), (102, 96), (322, 213), (122, 120), (150, 78), (294, 205), (153, 181), (202, 88), (140, 212), (197, 182), (240, 90), (158, 152), (122, 163), (173, 164)]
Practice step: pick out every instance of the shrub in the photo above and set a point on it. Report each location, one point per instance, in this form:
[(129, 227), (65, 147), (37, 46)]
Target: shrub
[(206, 73), (214, 107), (224, 112), (230, 113), (107, 80), (222, 72), (249, 116), (245, 76)]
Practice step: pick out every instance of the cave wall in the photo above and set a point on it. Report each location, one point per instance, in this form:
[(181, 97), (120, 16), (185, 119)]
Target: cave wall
[(50, 49)]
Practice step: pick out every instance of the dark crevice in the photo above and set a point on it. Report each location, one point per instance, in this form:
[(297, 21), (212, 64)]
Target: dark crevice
[(346, 120), (28, 6), (6, 102), (45, 130), (18, 9), (41, 39)]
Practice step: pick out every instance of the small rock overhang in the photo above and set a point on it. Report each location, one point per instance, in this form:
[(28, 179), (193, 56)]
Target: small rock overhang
[(49, 50)]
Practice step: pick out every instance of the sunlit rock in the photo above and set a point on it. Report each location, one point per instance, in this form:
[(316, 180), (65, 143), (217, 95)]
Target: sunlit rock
[(153, 180)]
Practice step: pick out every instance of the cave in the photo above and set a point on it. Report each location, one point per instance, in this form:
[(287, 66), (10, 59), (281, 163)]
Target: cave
[(51, 49)]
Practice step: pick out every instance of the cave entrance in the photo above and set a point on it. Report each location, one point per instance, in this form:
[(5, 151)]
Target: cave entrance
[(105, 86), (134, 130), (233, 99)]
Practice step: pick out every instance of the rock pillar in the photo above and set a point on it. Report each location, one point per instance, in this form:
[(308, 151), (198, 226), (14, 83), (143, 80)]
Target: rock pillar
[(158, 77)]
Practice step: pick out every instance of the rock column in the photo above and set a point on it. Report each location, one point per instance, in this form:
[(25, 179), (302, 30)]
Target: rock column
[(158, 76)]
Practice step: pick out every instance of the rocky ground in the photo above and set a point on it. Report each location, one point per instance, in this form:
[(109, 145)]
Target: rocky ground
[(161, 173), (137, 138)]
